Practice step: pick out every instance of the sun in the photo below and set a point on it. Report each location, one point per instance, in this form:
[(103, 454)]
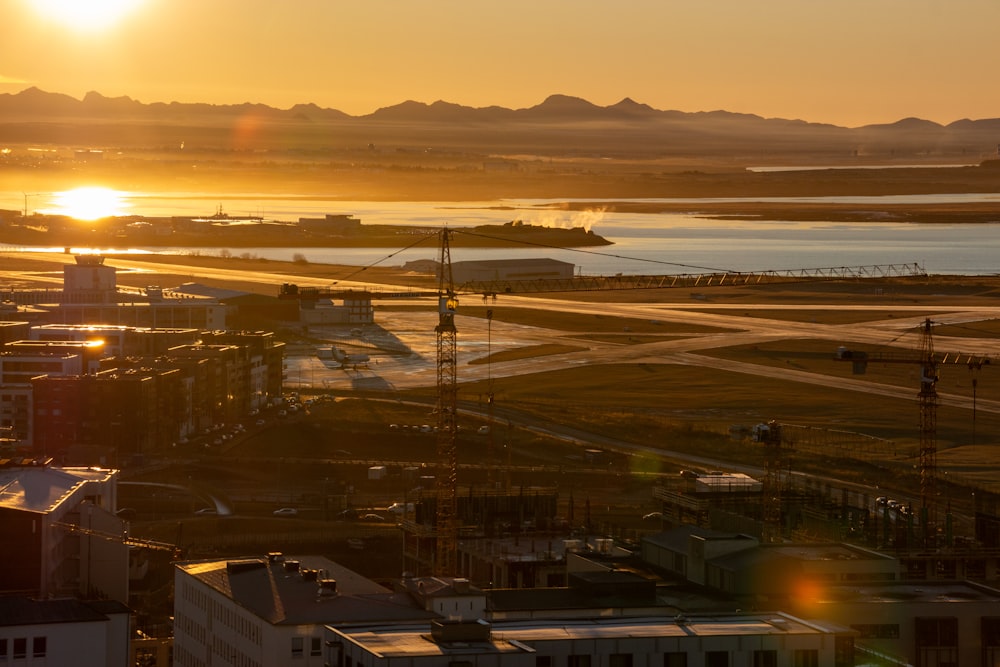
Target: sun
[(89, 203), (85, 14)]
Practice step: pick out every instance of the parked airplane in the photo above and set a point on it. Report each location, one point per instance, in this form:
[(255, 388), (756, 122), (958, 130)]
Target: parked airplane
[(331, 355)]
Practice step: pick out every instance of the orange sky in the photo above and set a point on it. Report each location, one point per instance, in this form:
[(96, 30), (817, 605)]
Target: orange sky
[(847, 62)]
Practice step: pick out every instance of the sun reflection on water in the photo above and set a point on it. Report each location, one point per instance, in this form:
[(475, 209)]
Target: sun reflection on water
[(89, 203)]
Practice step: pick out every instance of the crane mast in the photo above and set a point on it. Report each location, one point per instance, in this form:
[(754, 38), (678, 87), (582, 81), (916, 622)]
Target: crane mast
[(928, 400), (446, 520)]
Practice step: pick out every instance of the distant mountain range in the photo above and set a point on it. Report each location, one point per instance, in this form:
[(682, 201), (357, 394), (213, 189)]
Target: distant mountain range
[(559, 124)]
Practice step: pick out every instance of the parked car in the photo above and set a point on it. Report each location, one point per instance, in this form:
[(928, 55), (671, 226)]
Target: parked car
[(401, 508), (206, 510), (371, 517), (286, 511)]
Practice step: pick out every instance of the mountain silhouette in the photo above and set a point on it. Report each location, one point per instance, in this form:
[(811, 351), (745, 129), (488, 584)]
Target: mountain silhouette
[(558, 124)]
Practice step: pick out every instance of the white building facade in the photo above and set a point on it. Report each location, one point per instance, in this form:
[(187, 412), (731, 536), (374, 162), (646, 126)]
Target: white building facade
[(268, 612), (61, 536), (63, 632)]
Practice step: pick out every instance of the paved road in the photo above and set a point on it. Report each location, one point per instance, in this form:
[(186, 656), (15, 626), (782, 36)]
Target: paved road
[(416, 331), (410, 334)]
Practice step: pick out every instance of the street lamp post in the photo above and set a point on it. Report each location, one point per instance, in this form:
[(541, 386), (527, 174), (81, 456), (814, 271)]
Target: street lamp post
[(974, 367)]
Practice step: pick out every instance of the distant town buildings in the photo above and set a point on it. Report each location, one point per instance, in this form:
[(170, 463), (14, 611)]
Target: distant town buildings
[(106, 377)]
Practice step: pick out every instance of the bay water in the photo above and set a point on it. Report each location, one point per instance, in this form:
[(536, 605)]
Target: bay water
[(643, 243)]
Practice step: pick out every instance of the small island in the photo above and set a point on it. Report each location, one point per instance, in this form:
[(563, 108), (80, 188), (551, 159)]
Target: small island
[(220, 229)]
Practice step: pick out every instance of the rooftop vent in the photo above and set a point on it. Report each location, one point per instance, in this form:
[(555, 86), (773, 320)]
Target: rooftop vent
[(327, 587), (275, 557), (309, 575), (291, 566), (238, 566), (447, 631)]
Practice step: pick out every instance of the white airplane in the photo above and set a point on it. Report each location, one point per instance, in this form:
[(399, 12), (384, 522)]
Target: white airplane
[(332, 354)]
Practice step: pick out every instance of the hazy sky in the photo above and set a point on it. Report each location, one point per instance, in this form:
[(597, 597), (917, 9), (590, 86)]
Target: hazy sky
[(848, 62)]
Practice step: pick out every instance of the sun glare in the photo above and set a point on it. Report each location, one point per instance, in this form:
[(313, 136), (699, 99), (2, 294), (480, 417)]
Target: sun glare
[(89, 203), (89, 15)]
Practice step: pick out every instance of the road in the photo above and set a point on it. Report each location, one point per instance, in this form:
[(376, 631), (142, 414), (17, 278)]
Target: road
[(415, 330), (410, 335), (204, 273)]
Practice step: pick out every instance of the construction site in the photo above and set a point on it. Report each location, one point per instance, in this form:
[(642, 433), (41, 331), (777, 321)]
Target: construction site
[(516, 427), (778, 495)]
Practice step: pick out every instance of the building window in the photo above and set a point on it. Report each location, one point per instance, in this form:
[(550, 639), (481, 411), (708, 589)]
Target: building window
[(297, 647), (620, 660), (990, 633), (543, 661), (3, 650), (20, 648), (716, 658), (38, 646), (940, 631), (315, 646), (578, 661), (679, 659), (843, 651), (936, 640), (805, 657), (765, 658)]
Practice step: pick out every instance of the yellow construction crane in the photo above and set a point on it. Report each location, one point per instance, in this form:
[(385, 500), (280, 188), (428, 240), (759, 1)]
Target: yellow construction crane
[(446, 519), (123, 538), (928, 401), (770, 436), (446, 487)]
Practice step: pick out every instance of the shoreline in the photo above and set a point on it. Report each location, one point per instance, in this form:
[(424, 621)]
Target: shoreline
[(955, 213), (107, 232)]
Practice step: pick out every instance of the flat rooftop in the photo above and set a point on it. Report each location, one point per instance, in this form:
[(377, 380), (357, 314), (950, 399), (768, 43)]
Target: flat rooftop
[(415, 640), (911, 592), (833, 551), (39, 488)]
